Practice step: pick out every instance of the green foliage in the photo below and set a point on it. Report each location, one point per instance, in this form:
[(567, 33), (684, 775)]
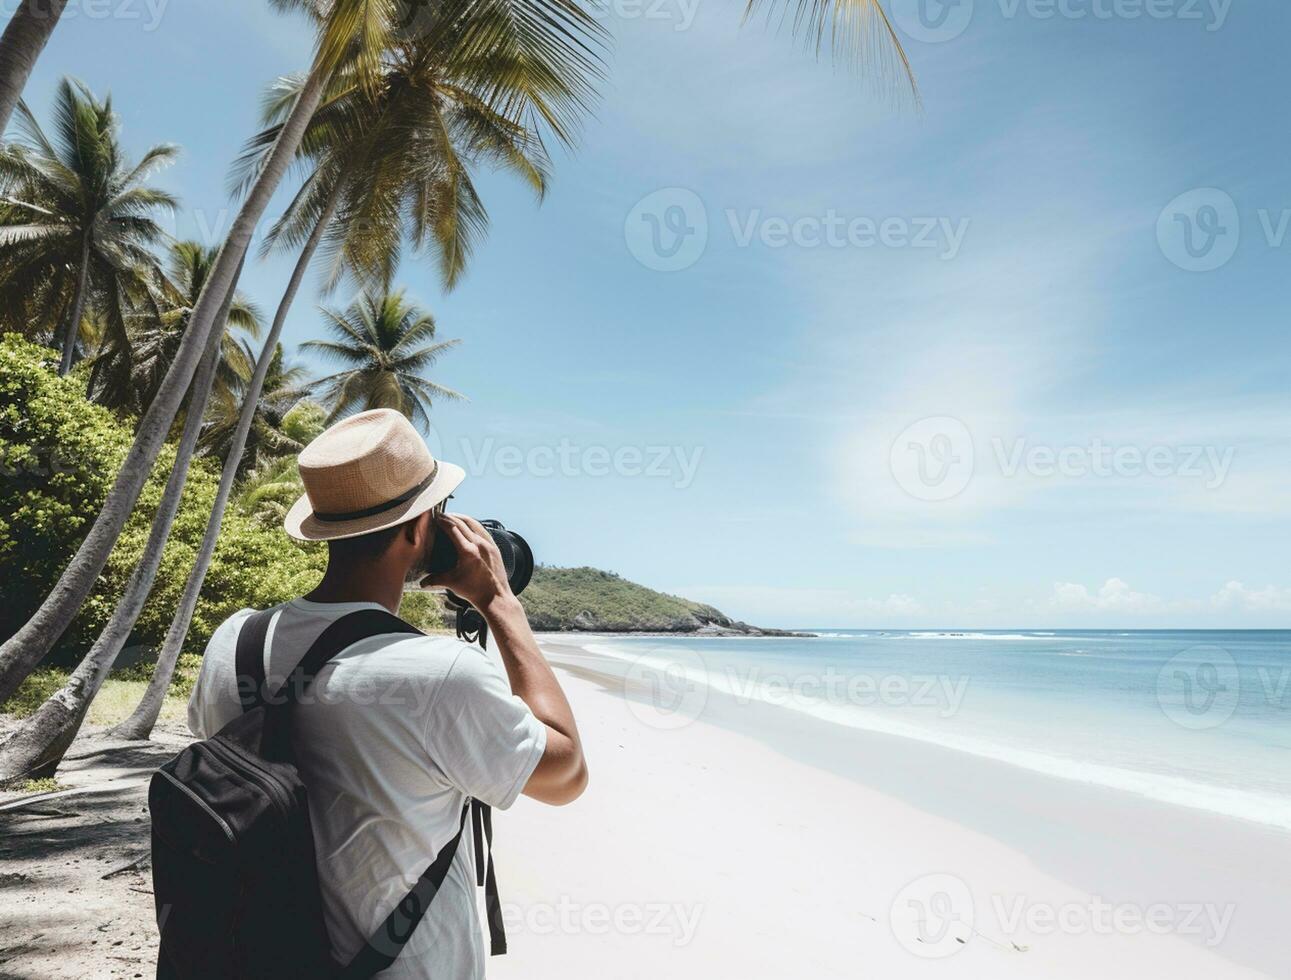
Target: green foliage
[(128, 369), (73, 204), (58, 456), (305, 422), (386, 344), (184, 679), (47, 785), (254, 567), (34, 691), (181, 682), (118, 696), (588, 598), (425, 610)]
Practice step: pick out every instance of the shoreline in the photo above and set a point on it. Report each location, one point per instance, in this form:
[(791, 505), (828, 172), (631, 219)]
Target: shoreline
[(703, 633), (1095, 840), (746, 841)]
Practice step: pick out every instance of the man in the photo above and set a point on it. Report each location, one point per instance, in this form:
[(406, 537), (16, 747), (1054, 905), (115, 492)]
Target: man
[(398, 730)]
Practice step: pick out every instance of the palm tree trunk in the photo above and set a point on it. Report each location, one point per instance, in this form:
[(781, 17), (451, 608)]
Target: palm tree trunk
[(24, 39), (28, 646), (141, 721), (36, 749), (72, 329)]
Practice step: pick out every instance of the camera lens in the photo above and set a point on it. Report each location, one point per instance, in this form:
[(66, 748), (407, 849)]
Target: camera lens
[(517, 557)]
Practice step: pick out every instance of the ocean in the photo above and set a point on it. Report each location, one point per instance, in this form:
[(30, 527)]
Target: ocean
[(1200, 719)]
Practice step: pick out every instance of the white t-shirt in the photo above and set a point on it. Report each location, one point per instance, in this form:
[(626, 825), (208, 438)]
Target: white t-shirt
[(394, 734)]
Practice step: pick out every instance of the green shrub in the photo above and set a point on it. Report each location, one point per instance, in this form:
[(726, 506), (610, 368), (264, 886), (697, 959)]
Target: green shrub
[(58, 456), (185, 678)]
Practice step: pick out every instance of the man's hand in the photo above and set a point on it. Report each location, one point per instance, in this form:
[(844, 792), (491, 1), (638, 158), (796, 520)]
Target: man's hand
[(479, 577)]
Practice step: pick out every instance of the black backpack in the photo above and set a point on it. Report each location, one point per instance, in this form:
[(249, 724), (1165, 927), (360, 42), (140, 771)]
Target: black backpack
[(234, 878)]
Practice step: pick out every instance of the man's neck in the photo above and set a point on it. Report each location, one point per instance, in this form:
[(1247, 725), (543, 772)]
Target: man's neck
[(359, 583)]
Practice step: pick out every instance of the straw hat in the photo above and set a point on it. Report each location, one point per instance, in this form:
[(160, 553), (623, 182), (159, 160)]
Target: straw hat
[(366, 473)]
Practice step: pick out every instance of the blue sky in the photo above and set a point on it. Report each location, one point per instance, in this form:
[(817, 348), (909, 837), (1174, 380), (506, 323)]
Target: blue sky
[(778, 343)]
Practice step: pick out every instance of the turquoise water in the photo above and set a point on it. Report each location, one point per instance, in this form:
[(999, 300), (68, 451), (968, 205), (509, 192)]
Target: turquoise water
[(1196, 718)]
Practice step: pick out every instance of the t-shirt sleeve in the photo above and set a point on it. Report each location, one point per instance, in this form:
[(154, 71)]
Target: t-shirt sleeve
[(215, 700), (483, 738)]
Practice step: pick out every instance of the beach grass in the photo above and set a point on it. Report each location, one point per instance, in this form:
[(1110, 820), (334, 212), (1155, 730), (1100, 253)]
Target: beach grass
[(117, 698)]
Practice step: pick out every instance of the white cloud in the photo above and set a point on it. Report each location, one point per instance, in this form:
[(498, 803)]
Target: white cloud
[(1113, 595), (1235, 595)]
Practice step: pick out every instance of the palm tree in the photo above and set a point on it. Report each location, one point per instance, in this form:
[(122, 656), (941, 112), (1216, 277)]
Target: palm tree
[(268, 492), (38, 746), (283, 388), (437, 111), (24, 38), (386, 343), (126, 371), (79, 215), (402, 162), (358, 31)]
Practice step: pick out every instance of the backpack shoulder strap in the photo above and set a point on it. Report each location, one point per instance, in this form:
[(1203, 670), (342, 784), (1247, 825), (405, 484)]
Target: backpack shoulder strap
[(387, 942), (389, 939), (339, 635), (249, 658), (343, 633)]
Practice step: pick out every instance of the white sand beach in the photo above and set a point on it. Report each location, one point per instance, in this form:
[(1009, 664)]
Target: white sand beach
[(747, 842), (701, 851)]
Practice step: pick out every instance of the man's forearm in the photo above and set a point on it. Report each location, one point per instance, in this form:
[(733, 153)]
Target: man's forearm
[(561, 775), (532, 679)]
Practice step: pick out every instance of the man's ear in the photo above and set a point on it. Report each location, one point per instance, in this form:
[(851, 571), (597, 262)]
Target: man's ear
[(417, 531)]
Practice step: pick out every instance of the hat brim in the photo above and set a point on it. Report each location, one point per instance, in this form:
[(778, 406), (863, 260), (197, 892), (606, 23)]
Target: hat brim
[(303, 525)]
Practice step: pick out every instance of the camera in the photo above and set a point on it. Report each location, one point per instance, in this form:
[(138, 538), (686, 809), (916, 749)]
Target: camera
[(517, 558), (516, 555)]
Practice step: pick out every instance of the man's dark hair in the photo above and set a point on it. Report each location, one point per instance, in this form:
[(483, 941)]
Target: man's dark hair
[(366, 547)]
